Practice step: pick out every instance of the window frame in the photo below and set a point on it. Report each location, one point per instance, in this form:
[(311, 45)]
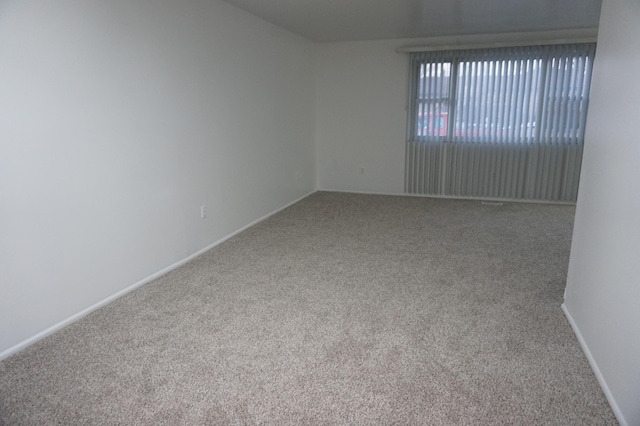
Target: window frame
[(544, 125)]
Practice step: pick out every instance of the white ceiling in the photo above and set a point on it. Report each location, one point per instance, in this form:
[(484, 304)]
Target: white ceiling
[(347, 20)]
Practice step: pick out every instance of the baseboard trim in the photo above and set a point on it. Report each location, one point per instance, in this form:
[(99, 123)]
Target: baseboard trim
[(451, 197), (594, 366), (49, 331)]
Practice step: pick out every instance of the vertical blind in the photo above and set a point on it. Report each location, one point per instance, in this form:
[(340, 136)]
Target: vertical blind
[(499, 123)]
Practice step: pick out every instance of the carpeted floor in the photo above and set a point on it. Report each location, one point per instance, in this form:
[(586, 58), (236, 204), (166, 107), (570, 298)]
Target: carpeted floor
[(342, 309)]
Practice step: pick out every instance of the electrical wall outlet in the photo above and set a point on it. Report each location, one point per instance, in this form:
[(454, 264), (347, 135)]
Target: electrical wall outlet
[(203, 211)]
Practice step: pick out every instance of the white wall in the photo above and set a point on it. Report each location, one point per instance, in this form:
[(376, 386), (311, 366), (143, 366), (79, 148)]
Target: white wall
[(361, 118), (118, 119), (603, 289), (362, 90)]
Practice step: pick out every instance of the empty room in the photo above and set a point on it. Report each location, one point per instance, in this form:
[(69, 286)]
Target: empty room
[(319, 212)]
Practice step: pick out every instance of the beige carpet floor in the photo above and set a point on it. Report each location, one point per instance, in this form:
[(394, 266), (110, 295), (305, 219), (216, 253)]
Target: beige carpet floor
[(342, 309)]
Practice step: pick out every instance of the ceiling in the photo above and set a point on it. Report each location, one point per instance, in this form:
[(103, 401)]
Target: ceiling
[(349, 20)]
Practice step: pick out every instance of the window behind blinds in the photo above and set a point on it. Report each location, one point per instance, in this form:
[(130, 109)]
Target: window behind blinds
[(499, 123)]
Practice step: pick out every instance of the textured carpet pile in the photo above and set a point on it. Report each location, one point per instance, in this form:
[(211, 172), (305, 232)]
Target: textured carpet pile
[(342, 309)]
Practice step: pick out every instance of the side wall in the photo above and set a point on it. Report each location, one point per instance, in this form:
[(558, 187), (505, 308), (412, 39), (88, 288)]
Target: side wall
[(118, 120), (362, 107), (602, 298)]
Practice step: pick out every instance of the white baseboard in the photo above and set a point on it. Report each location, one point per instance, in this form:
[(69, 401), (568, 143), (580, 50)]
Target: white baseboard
[(22, 345), (594, 366), (347, 191), (451, 197)]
